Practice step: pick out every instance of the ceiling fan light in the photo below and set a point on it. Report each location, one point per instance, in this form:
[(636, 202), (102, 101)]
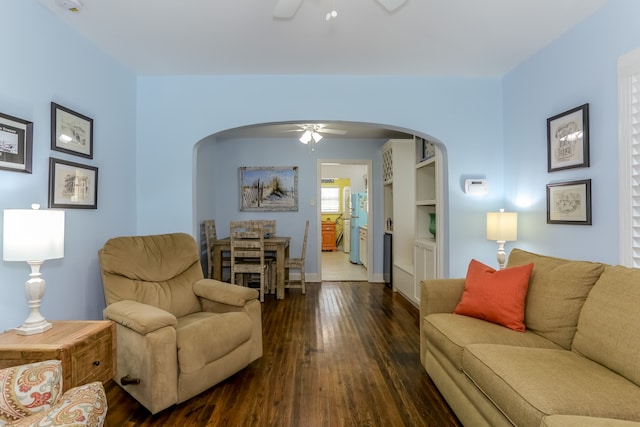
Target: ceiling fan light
[(306, 137), (316, 136), (334, 13)]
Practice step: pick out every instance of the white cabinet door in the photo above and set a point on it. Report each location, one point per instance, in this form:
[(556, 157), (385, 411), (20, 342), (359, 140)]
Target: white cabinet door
[(425, 263), (363, 247)]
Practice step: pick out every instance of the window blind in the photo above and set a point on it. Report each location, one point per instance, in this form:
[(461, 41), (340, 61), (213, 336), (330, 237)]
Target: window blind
[(330, 199), (629, 157)]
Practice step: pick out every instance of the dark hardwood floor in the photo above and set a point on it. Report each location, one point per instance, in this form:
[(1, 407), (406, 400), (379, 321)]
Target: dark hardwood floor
[(344, 354)]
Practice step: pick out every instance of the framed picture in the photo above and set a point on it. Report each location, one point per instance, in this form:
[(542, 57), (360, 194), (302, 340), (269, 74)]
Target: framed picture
[(16, 143), (71, 132), (427, 149), (569, 202), (568, 139), (72, 185), (269, 188)]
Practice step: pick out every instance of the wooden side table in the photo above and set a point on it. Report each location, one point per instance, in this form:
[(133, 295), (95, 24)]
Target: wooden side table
[(87, 350)]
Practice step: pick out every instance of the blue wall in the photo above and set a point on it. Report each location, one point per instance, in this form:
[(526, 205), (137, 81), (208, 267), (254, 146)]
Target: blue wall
[(176, 113), (221, 164), (580, 67), (150, 131), (43, 61)]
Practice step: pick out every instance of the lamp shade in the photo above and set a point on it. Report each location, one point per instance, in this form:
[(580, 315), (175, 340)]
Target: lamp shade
[(32, 235), (502, 226)]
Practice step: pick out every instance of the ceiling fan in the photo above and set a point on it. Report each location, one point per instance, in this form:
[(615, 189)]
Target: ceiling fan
[(285, 9), (314, 131)]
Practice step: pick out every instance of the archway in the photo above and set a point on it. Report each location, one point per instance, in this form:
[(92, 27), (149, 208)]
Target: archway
[(217, 157)]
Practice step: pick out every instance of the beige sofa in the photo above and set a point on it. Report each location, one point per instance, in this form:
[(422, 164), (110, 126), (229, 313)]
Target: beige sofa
[(577, 364)]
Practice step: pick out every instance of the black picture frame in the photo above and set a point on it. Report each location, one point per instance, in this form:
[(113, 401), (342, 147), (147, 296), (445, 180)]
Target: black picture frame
[(16, 144), (568, 139), (71, 132), (72, 185), (569, 202), (427, 149)]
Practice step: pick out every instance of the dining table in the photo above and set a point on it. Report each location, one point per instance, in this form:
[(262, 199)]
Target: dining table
[(276, 244)]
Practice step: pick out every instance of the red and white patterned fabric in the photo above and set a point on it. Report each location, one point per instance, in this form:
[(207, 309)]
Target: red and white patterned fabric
[(30, 395)]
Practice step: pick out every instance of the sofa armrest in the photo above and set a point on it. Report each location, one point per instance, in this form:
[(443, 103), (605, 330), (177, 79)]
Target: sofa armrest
[(142, 318), (84, 405), (224, 293), (440, 295), (437, 296)]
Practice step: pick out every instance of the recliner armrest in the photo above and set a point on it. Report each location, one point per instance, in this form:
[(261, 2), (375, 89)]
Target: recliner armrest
[(224, 293), (142, 318)]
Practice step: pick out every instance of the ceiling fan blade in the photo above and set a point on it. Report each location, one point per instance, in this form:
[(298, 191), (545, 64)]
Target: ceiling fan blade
[(334, 131), (286, 8), (392, 5)]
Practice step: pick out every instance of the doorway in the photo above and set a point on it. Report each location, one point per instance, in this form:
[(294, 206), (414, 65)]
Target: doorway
[(348, 258)]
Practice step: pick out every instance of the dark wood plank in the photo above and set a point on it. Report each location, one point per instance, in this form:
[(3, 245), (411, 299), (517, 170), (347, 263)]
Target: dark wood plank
[(344, 354)]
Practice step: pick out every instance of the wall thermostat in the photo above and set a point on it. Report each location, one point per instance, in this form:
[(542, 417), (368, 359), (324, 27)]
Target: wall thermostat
[(476, 187), (71, 5)]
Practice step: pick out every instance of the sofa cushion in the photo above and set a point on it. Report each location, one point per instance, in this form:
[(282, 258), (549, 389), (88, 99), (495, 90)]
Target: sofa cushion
[(223, 332), (495, 295), (609, 321), (557, 291), (530, 383), (580, 421), (450, 333)]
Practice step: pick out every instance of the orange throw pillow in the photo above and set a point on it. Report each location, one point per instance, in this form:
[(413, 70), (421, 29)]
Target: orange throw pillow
[(496, 296)]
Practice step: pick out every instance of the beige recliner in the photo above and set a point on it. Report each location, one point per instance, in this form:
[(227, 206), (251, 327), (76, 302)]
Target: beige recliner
[(177, 333)]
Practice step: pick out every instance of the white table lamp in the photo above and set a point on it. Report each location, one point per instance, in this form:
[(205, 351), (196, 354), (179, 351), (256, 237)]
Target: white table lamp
[(33, 235), (502, 227)]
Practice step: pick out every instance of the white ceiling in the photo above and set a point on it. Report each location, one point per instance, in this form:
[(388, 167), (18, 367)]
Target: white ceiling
[(467, 38), (293, 130), (479, 38)]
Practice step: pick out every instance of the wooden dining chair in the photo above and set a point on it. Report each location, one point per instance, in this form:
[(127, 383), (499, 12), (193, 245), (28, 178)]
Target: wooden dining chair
[(247, 253), (298, 264), (271, 257), (269, 226), (211, 236)]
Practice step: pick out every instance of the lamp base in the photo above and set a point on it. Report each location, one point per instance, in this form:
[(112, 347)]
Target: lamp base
[(35, 322), (37, 328), (501, 255)]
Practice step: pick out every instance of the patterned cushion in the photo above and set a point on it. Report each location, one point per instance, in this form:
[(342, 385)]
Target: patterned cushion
[(30, 396), (80, 406), (28, 389)]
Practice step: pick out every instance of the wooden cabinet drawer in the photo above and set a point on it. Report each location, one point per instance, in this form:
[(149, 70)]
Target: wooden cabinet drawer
[(92, 361)]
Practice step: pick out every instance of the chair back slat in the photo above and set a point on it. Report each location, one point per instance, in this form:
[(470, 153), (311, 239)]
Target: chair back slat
[(304, 242), (247, 250), (269, 226)]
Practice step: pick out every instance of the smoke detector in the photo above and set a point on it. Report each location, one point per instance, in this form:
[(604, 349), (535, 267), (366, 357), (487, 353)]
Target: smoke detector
[(70, 5)]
